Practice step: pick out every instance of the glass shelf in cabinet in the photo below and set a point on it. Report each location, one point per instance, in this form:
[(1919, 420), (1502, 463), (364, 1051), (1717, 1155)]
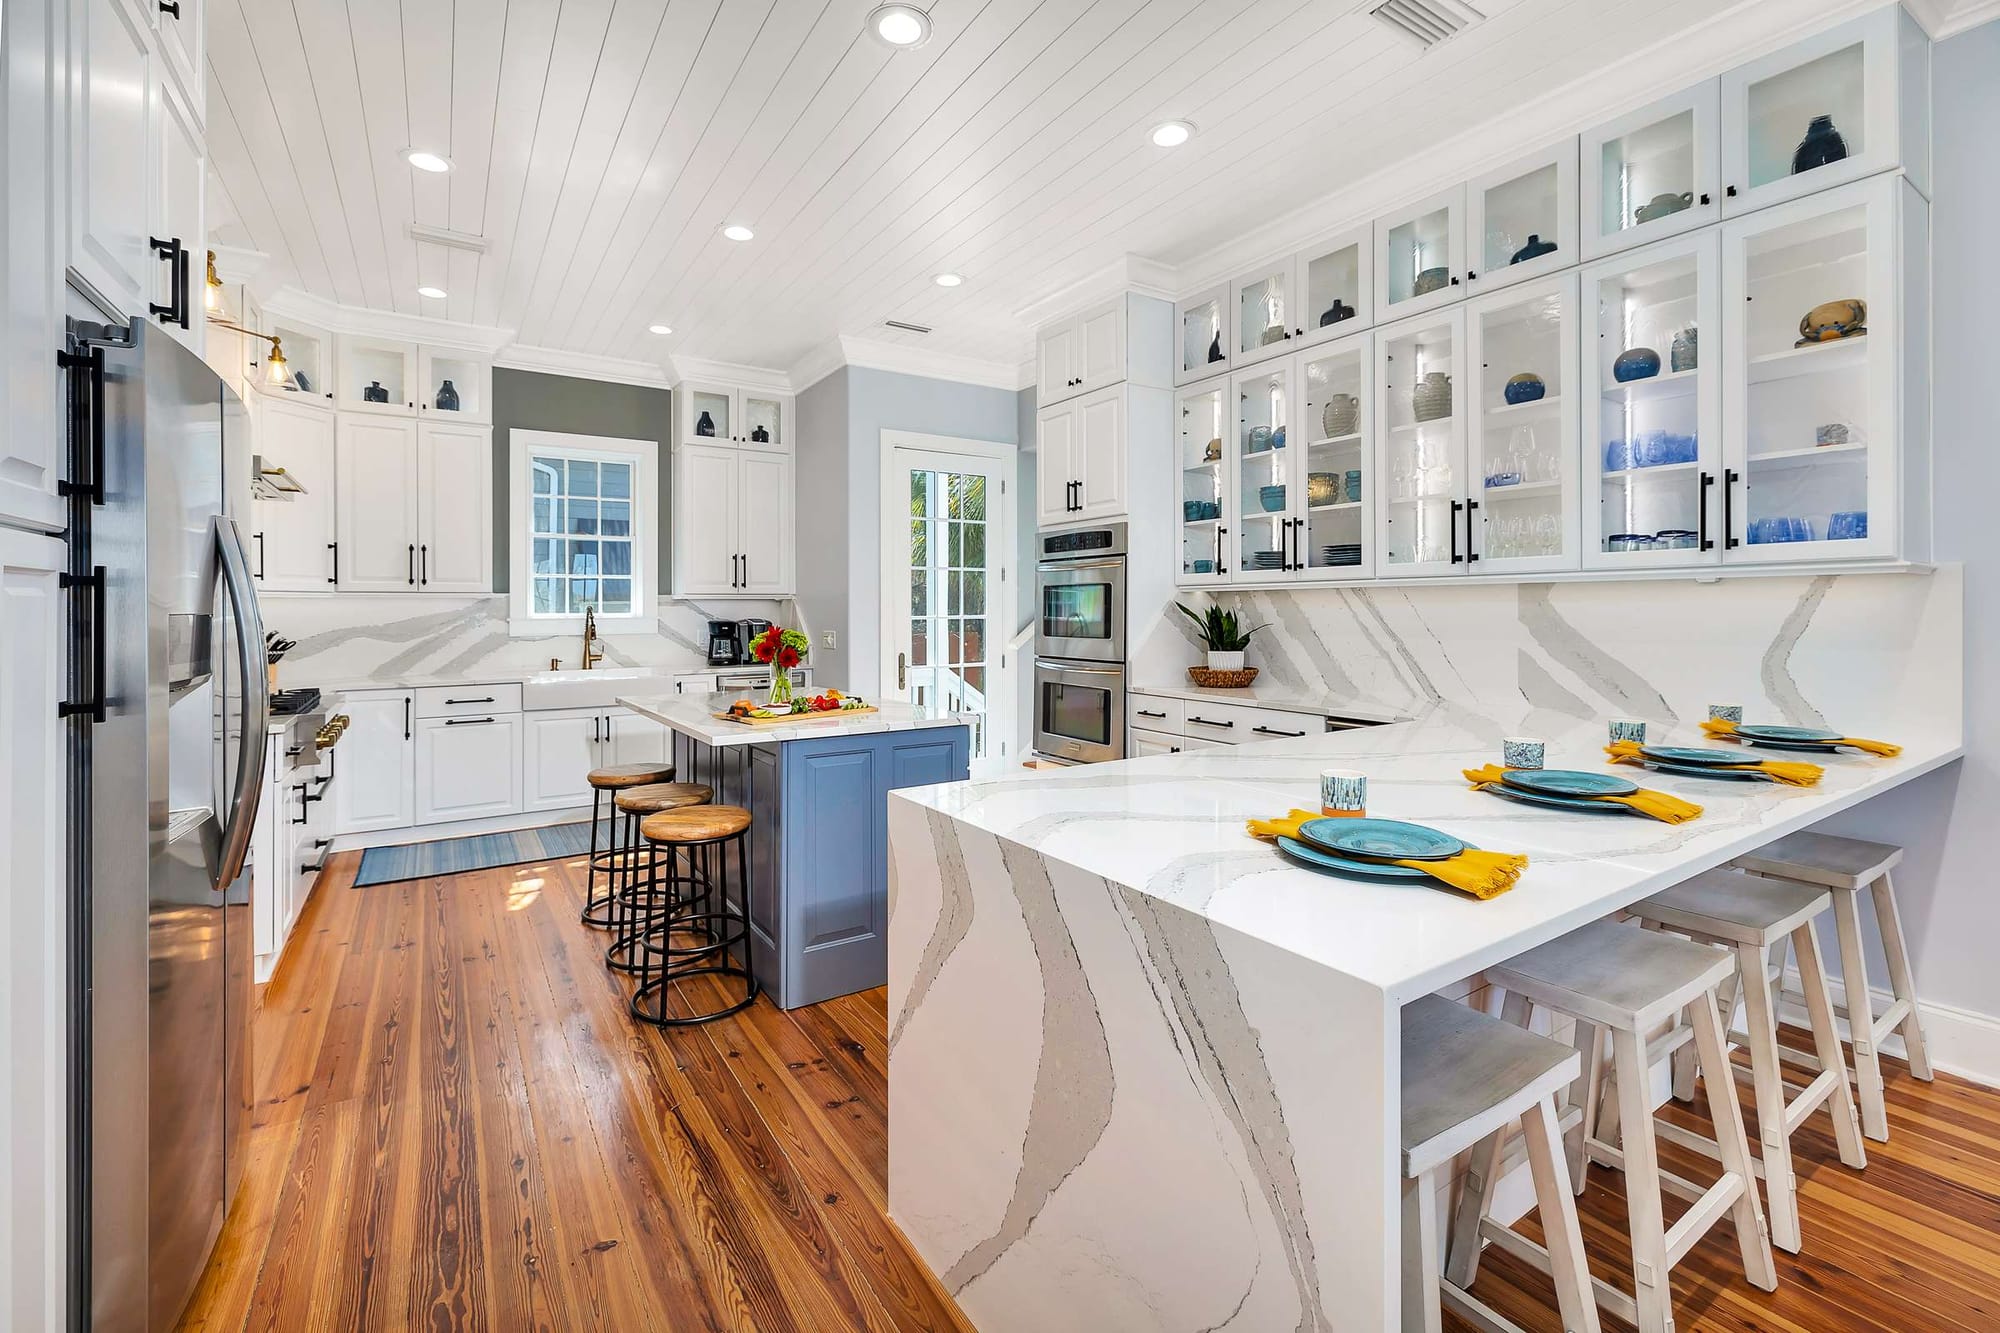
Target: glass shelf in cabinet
[(1813, 359), (1671, 384), (1657, 470), (1546, 403)]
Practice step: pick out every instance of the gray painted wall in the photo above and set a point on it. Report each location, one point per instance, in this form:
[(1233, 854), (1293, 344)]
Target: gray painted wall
[(823, 535), (527, 400)]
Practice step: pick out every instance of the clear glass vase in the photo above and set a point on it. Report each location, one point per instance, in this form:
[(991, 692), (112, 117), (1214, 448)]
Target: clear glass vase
[(781, 687)]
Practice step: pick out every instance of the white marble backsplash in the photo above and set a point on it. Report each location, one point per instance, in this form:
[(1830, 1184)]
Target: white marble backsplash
[(348, 639), (1807, 650)]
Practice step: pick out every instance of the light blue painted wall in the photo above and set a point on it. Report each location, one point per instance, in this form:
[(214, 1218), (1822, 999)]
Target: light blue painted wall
[(821, 501)]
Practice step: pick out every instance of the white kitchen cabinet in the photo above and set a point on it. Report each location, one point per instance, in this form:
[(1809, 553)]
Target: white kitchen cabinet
[(1521, 470), (292, 539), (1420, 255), (1520, 219), (765, 531), (1201, 492), (1146, 744), (1100, 345), (112, 169), (1055, 466), (631, 739), (1263, 308), (558, 749), (454, 507), (1420, 428), (468, 767), (308, 353), (377, 508), (1201, 335), (470, 381), (733, 415), (375, 787), (1080, 468), (31, 293), (733, 534), (182, 27), (1652, 173), (1056, 362), (180, 159), (1263, 446), (375, 376), (1335, 286), (1128, 338)]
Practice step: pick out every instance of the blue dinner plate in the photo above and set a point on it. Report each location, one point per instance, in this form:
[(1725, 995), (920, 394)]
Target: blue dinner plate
[(1802, 747), (1322, 860), (1792, 735), (1389, 838), (1567, 782), (1680, 754), (1561, 802), (1711, 771)]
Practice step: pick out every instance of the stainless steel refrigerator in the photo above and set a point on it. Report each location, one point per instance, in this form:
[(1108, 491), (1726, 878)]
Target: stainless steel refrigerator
[(166, 707)]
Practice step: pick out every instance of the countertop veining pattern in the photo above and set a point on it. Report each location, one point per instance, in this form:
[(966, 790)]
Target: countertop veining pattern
[(694, 716)]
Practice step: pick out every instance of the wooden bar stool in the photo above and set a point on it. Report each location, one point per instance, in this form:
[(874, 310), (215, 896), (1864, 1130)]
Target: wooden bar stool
[(1609, 975), (1468, 1077), (635, 901), (597, 905), (696, 832), (1749, 915), (1847, 866)]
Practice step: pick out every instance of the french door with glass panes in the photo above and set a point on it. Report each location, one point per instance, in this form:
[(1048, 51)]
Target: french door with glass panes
[(945, 653), (1521, 345), (1653, 347), (1420, 425), (1811, 414)]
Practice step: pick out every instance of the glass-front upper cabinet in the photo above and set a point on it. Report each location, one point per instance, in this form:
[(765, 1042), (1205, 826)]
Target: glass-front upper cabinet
[(1265, 476), (1652, 173), (1520, 221), (764, 421), (1522, 449), (453, 385), (1420, 255), (1263, 307), (1810, 405), (711, 414), (1836, 107), (1336, 288), (1421, 424), (308, 361), (1202, 419), (1652, 408), (376, 376), (1334, 518), (1202, 340)]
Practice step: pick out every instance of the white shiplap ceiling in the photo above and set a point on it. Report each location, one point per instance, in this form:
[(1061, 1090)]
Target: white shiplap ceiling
[(600, 145)]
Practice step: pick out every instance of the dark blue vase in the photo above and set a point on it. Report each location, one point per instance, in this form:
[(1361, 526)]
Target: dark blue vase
[(1336, 312), (1534, 249), (1821, 145), (1635, 363), (447, 399), (704, 424)]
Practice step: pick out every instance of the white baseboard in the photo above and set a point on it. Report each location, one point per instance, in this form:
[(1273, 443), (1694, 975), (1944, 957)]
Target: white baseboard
[(396, 837), (1960, 1041)]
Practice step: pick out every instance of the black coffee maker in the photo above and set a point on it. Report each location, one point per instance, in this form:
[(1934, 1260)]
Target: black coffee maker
[(725, 643)]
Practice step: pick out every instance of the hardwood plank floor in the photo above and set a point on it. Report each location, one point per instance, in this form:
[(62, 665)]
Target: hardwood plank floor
[(457, 1126)]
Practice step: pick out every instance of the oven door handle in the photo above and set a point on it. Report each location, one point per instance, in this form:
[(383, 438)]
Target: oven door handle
[(1067, 566)]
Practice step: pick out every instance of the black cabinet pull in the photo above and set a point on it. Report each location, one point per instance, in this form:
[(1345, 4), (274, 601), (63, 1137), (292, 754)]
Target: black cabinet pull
[(1298, 526), (1701, 511), (424, 565), (1704, 197), (1470, 276), (1729, 190), (303, 802), (1274, 731), (467, 721), (92, 706), (335, 548), (175, 310), (1143, 713), (1456, 558), (413, 564), (171, 7), (409, 703), (1471, 508), (86, 415), (1730, 476), (746, 569), (1209, 722), (596, 733), (483, 699), (260, 553), (1454, 280)]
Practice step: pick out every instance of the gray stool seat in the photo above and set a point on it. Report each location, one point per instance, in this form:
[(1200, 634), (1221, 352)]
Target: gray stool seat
[(1823, 858), (1614, 974), (1729, 905)]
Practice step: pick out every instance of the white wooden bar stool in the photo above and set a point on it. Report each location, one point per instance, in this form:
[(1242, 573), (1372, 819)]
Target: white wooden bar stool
[(1847, 866), (1610, 975), (1468, 1076), (1749, 915)]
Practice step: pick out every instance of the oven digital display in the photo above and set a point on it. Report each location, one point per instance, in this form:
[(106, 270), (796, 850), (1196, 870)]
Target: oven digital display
[(1075, 543)]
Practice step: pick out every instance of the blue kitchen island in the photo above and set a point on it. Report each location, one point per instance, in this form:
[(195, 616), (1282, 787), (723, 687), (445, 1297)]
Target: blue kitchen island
[(817, 791)]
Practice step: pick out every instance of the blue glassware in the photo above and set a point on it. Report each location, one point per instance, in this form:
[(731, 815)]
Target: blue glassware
[(1390, 838), (1847, 525), (1527, 387), (1271, 497), (1635, 363), (1204, 566), (1278, 438), (1617, 456)]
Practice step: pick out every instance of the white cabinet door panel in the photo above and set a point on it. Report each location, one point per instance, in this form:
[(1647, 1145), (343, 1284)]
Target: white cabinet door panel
[(112, 139), (634, 740), (181, 163), (1101, 346), (468, 767), (558, 750), (705, 556), (291, 541), (1100, 453), (376, 508), (455, 525), (1055, 466), (374, 787), (764, 527), (1056, 358)]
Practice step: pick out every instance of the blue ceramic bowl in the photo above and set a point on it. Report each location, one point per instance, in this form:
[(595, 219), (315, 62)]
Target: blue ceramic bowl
[(1524, 388), (1847, 525), (1635, 363), (1278, 438), (1204, 566), (1352, 483), (1271, 497)]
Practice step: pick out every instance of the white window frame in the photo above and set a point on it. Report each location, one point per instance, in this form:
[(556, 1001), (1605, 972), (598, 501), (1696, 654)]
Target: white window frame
[(643, 455)]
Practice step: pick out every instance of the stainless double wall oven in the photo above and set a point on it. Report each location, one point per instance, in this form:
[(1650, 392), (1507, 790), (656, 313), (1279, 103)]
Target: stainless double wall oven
[(1080, 645)]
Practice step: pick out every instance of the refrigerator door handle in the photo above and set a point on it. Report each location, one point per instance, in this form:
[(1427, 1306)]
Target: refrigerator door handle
[(256, 701)]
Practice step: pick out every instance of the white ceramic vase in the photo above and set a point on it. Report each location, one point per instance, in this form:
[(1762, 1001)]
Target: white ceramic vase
[(1225, 661)]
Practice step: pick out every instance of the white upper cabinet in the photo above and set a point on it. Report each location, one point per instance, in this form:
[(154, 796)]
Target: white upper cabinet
[(1521, 220), (1056, 361), (1336, 288), (1838, 106), (1334, 514), (377, 506), (292, 539), (181, 161), (1420, 254), (453, 386), (112, 171), (1521, 345), (723, 415), (1420, 433), (1125, 338), (1264, 308), (1203, 422), (1100, 345), (455, 507), (1265, 451), (308, 371), (1080, 459), (1055, 466), (182, 26), (706, 556), (1201, 335), (764, 524), (375, 375), (1652, 173)]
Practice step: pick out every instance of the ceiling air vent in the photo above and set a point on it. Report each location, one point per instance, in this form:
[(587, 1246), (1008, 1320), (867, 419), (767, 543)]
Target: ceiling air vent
[(1427, 22), (455, 240), (905, 327)]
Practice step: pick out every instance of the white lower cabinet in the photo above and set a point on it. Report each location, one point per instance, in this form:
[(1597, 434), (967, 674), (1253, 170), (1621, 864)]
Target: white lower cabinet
[(631, 739), (558, 750), (468, 767), (377, 786), (1143, 744)]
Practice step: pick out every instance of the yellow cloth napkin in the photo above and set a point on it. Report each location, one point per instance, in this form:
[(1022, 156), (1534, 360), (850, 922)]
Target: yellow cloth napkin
[(1792, 773), (1480, 873), (1725, 730), (1654, 804)]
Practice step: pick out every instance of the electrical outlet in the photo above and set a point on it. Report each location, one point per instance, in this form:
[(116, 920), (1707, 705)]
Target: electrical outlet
[(827, 640)]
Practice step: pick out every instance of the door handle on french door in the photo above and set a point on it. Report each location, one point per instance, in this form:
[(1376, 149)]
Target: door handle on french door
[(335, 548), (902, 671)]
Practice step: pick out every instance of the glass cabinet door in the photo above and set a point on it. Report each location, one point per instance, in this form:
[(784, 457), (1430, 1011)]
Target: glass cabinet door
[(1336, 284), (1810, 404), (1819, 113), (1265, 476), (1523, 421), (1420, 255), (1651, 173), (1651, 410), (1520, 221), (1203, 337), (376, 376), (764, 422), (1202, 491), (710, 417), (1335, 517), (1263, 310), (1421, 422)]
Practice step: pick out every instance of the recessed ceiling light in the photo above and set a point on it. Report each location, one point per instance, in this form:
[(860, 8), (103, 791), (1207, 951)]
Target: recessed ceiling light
[(660, 329), (1172, 133), (948, 279), (423, 161), (736, 231), (900, 26), (434, 293)]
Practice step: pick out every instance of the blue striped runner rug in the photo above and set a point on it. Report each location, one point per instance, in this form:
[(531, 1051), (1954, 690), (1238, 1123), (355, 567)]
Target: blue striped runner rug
[(481, 851)]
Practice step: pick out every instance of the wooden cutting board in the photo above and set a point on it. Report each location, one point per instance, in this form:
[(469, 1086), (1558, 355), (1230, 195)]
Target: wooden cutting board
[(792, 719)]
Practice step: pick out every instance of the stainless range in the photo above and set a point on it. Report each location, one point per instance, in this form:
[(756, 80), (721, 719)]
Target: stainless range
[(1080, 645)]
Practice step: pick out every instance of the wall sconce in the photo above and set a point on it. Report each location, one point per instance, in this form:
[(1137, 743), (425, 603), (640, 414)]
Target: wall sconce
[(275, 370)]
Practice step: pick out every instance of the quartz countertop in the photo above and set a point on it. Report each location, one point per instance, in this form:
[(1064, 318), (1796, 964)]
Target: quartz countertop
[(1329, 704), (693, 715)]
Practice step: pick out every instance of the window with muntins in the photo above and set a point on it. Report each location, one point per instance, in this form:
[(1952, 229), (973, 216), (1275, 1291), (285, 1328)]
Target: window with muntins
[(583, 533)]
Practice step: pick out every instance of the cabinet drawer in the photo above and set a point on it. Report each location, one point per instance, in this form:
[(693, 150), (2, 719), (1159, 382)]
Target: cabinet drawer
[(1240, 724), (468, 700), (1155, 713)]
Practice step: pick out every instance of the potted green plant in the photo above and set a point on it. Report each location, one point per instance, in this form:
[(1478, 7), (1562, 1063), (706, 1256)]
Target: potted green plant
[(1223, 634)]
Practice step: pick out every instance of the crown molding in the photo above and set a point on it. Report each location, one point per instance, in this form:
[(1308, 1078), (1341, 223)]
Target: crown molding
[(869, 354), (478, 339), (732, 373), (1948, 18), (582, 366), (1127, 273), (817, 364)]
